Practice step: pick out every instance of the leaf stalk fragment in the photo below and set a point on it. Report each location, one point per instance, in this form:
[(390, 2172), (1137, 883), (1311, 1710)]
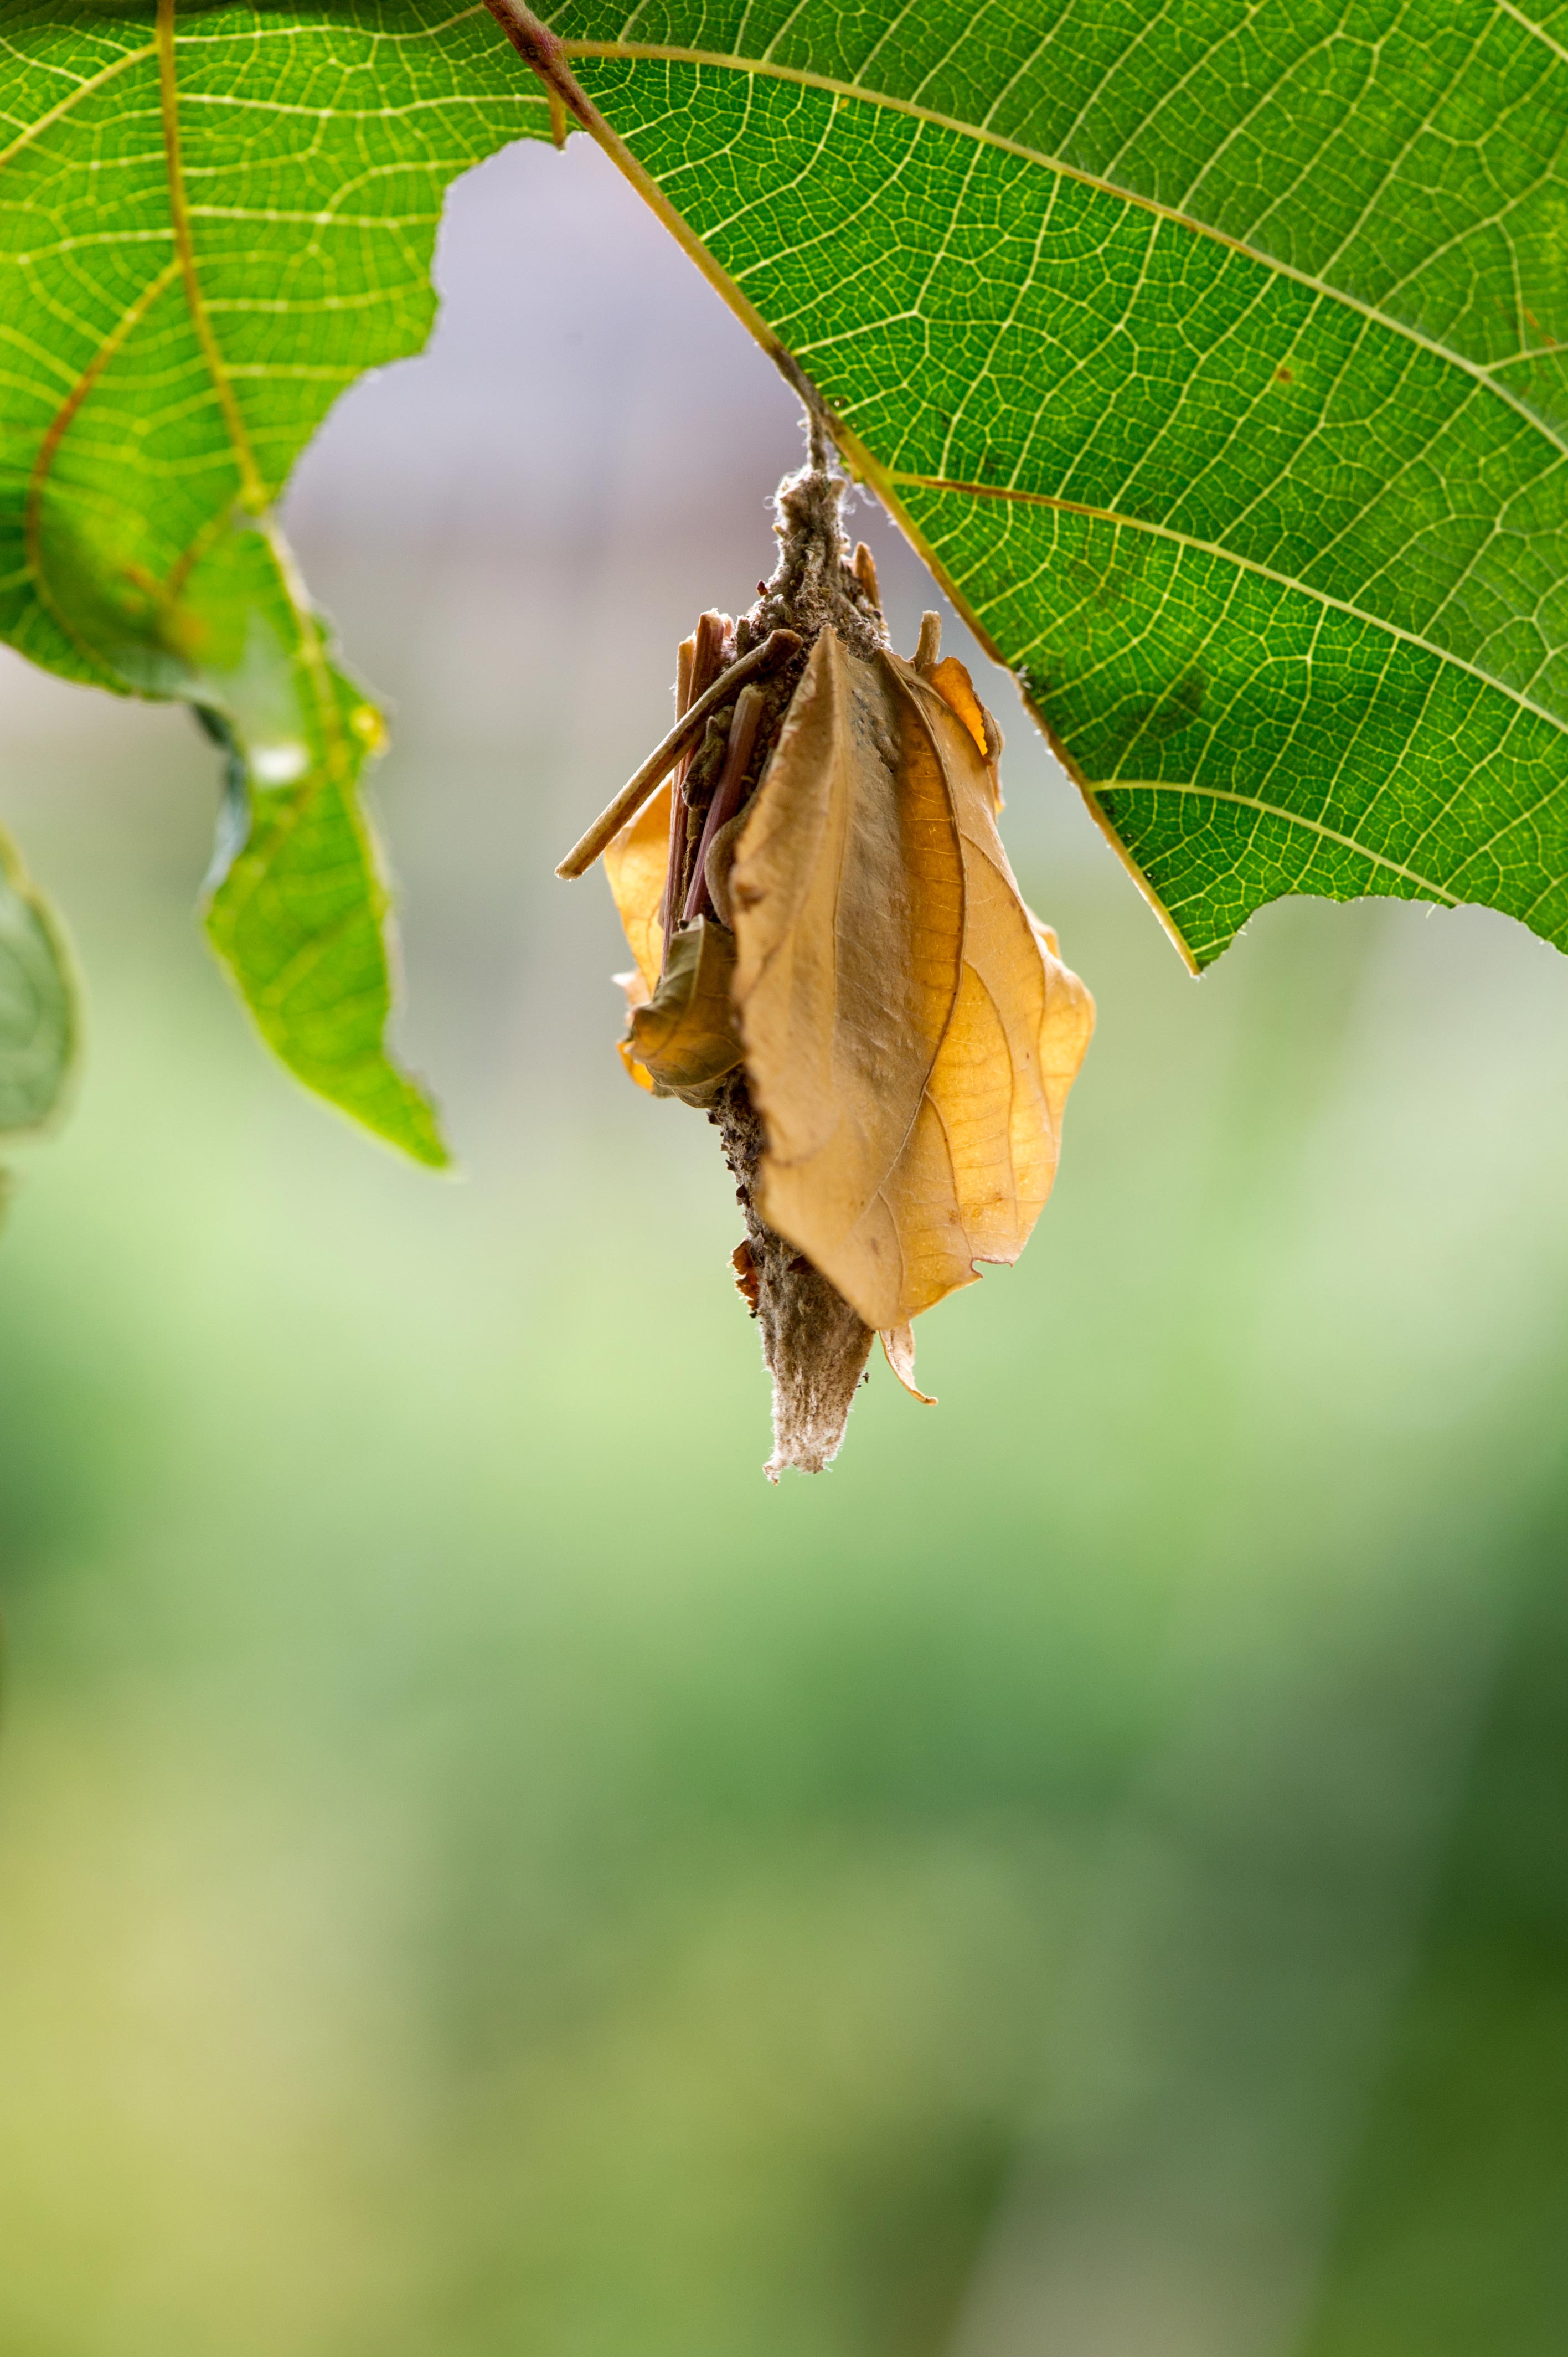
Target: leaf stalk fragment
[(776, 648)]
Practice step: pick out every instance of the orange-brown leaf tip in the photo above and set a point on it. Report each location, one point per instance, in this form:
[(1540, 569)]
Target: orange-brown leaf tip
[(898, 1350), (637, 995), (954, 685), (638, 1072), (864, 570)]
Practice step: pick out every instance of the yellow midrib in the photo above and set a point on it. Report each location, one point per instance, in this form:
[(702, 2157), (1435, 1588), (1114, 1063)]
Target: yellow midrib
[(1293, 818), (803, 78), (1243, 565), (252, 489)]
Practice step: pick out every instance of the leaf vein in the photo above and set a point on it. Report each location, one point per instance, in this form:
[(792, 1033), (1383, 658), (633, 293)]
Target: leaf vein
[(829, 85)]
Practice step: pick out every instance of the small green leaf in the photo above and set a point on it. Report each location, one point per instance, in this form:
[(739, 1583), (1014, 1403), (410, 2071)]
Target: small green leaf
[(39, 1030)]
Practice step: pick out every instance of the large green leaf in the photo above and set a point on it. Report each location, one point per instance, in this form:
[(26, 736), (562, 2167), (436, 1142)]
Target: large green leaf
[(1212, 354)]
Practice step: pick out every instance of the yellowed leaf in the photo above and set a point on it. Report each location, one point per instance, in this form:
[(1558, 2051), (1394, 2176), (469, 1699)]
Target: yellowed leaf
[(1065, 1036), (953, 685), (685, 1037), (908, 1038), (847, 893), (637, 995), (636, 1071), (636, 861), (1019, 1030)]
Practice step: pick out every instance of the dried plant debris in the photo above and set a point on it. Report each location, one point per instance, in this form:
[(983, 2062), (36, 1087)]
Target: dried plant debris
[(832, 958)]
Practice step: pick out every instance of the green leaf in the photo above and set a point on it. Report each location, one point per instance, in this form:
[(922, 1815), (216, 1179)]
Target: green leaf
[(298, 915), (211, 221), (39, 1029)]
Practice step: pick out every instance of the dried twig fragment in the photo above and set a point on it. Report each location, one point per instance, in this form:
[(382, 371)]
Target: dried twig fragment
[(774, 651)]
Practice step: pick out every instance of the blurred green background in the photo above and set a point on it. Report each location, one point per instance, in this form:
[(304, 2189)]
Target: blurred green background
[(481, 1872)]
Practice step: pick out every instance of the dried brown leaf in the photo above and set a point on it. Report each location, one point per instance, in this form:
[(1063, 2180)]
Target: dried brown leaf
[(909, 1038), (954, 685)]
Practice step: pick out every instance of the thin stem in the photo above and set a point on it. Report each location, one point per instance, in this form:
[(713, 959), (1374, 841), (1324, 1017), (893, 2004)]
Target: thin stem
[(714, 635), (252, 490), (818, 447), (773, 651), (748, 710), (685, 686)]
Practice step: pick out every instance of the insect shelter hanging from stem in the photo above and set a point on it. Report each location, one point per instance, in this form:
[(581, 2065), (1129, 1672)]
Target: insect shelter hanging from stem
[(831, 960)]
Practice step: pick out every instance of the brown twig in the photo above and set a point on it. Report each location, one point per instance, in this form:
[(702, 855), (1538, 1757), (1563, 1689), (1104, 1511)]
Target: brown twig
[(712, 649), (774, 649), (538, 47), (748, 710)]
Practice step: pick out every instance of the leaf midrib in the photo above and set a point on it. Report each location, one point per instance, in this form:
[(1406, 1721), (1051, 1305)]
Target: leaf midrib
[(1242, 564), (890, 479), (252, 492), (802, 77), (1424, 884)]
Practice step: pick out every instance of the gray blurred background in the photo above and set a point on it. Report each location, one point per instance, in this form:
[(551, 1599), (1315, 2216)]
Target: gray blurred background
[(481, 1872)]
